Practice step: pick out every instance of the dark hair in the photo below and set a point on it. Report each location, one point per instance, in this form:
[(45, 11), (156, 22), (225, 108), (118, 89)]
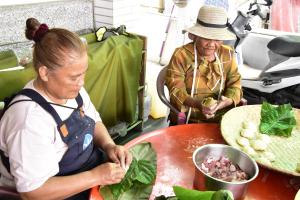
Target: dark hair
[(53, 47)]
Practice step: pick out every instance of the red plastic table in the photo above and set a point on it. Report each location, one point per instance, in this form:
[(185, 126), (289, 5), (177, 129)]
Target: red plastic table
[(174, 147)]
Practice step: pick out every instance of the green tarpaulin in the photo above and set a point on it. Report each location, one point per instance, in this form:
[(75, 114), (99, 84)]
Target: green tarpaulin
[(112, 79), (8, 59)]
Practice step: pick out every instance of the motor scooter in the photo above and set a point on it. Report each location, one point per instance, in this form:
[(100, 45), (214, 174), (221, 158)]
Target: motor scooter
[(271, 60)]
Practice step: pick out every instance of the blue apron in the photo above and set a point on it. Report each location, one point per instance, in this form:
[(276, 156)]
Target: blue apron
[(77, 133)]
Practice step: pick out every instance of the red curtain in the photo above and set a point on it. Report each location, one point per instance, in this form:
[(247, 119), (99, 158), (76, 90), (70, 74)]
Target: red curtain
[(285, 15)]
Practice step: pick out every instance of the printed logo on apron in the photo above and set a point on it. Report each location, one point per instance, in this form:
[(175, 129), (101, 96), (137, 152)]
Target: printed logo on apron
[(87, 140)]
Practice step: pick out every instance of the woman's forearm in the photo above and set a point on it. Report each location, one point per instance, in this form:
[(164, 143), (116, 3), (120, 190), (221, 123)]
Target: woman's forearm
[(62, 187), (192, 102), (102, 138)]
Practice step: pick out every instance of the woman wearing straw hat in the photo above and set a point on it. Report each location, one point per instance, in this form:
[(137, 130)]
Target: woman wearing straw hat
[(202, 76)]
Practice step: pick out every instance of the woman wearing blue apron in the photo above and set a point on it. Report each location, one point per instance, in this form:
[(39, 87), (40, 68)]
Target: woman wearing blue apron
[(53, 144)]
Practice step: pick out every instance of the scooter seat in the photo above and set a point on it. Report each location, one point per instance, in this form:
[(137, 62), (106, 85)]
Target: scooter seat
[(288, 45)]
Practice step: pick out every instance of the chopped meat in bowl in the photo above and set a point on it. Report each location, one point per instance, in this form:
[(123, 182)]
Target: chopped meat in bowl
[(223, 169)]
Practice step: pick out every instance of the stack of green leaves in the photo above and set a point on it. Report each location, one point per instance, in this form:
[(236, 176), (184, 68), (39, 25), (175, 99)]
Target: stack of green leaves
[(277, 120), (139, 179)]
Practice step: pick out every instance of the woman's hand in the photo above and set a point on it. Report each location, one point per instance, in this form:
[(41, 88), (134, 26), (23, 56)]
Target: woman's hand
[(210, 111), (108, 173), (224, 102), (119, 155)]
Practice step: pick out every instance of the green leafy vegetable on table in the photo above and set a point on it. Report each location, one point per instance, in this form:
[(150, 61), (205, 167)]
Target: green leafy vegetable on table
[(277, 120), (139, 179)]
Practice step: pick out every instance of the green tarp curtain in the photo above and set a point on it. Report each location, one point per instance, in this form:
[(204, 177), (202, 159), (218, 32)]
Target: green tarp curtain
[(112, 79), (8, 59), (13, 81)]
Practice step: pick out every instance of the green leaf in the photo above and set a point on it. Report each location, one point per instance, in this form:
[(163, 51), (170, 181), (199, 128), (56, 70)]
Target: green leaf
[(222, 195), (143, 151), (147, 172), (188, 194), (138, 181), (126, 183), (137, 192), (277, 120), (106, 193)]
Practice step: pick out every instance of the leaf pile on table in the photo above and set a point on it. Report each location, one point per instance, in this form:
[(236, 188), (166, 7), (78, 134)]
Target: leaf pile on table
[(277, 120), (189, 194), (139, 179)]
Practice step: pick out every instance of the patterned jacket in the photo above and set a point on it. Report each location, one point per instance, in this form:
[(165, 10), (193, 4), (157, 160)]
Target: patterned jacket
[(179, 79)]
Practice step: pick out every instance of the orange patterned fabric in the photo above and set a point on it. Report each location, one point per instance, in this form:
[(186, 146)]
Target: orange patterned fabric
[(179, 79)]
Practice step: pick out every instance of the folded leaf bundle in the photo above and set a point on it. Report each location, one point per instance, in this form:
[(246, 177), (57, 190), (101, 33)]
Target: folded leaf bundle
[(208, 102)]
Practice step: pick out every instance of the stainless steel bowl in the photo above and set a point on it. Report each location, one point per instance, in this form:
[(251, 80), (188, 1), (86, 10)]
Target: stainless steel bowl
[(202, 181)]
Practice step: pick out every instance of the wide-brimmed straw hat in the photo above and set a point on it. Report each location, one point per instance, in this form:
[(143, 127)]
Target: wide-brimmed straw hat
[(212, 24)]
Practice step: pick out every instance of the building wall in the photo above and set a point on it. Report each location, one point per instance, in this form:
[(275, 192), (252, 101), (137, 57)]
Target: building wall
[(113, 13)]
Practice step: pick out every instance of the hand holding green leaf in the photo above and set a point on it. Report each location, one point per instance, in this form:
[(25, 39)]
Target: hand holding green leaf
[(139, 179)]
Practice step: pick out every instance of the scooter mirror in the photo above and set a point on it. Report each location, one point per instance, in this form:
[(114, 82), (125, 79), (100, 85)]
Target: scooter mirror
[(239, 24)]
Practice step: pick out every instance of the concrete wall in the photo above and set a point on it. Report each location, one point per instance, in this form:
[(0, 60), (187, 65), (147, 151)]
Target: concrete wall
[(75, 15)]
